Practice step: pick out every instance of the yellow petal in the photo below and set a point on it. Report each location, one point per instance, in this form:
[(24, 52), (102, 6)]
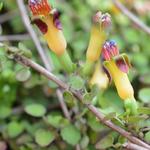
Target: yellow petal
[(99, 78), (121, 80), (95, 45), (54, 37)]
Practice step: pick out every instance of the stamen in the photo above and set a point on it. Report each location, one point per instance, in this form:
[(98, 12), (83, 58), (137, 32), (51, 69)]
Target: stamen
[(109, 50), (39, 7), (106, 20)]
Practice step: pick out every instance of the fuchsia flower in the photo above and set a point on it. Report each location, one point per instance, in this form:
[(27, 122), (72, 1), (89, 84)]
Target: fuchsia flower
[(47, 20), (100, 26), (117, 66), (110, 51)]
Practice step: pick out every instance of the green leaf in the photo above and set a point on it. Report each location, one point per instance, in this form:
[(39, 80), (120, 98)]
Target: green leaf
[(4, 112), (76, 82), (87, 98), (144, 95), (1, 6), (110, 116), (35, 110), (105, 143), (14, 129), (71, 135), (147, 136), (144, 110), (84, 142), (94, 123), (56, 120), (136, 119), (69, 98), (23, 74), (26, 52), (44, 137)]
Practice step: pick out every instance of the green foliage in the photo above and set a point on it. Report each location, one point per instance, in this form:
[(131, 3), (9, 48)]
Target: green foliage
[(144, 95), (14, 129), (35, 110), (147, 136), (23, 74), (71, 134), (56, 120), (1, 6), (5, 112), (30, 113), (76, 82), (44, 137), (105, 142)]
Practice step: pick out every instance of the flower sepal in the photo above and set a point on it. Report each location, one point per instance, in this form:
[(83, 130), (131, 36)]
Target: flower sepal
[(131, 106), (88, 68), (122, 62), (66, 62)]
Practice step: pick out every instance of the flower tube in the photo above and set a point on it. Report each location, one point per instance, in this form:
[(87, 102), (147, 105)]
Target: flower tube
[(47, 20), (118, 66), (99, 78), (101, 22)]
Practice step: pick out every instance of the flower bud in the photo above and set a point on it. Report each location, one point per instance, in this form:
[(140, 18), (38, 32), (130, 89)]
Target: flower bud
[(47, 20), (99, 78), (101, 22)]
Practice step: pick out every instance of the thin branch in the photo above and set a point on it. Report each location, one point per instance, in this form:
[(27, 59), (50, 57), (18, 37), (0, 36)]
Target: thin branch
[(64, 107), (27, 62), (8, 16), (132, 146), (36, 41), (132, 17), (17, 37)]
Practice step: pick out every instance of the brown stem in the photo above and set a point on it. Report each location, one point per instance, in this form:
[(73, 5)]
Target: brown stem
[(132, 17), (64, 107), (27, 62), (8, 16), (132, 146), (17, 37)]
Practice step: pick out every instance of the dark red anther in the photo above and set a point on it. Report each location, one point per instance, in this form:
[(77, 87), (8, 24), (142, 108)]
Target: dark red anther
[(57, 23), (41, 25), (106, 20)]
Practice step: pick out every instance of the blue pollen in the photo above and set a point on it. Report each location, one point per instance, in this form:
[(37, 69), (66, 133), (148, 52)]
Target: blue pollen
[(112, 43), (35, 1)]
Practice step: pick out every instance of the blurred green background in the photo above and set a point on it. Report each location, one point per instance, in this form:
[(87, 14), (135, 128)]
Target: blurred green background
[(30, 115)]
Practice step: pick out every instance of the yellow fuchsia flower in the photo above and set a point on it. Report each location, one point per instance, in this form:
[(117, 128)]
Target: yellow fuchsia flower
[(99, 78), (118, 66), (47, 20), (101, 22)]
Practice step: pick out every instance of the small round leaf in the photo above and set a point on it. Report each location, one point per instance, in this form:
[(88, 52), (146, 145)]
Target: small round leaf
[(144, 95), (71, 135), (23, 74), (35, 110), (44, 137), (147, 136), (14, 129), (4, 112), (76, 82)]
